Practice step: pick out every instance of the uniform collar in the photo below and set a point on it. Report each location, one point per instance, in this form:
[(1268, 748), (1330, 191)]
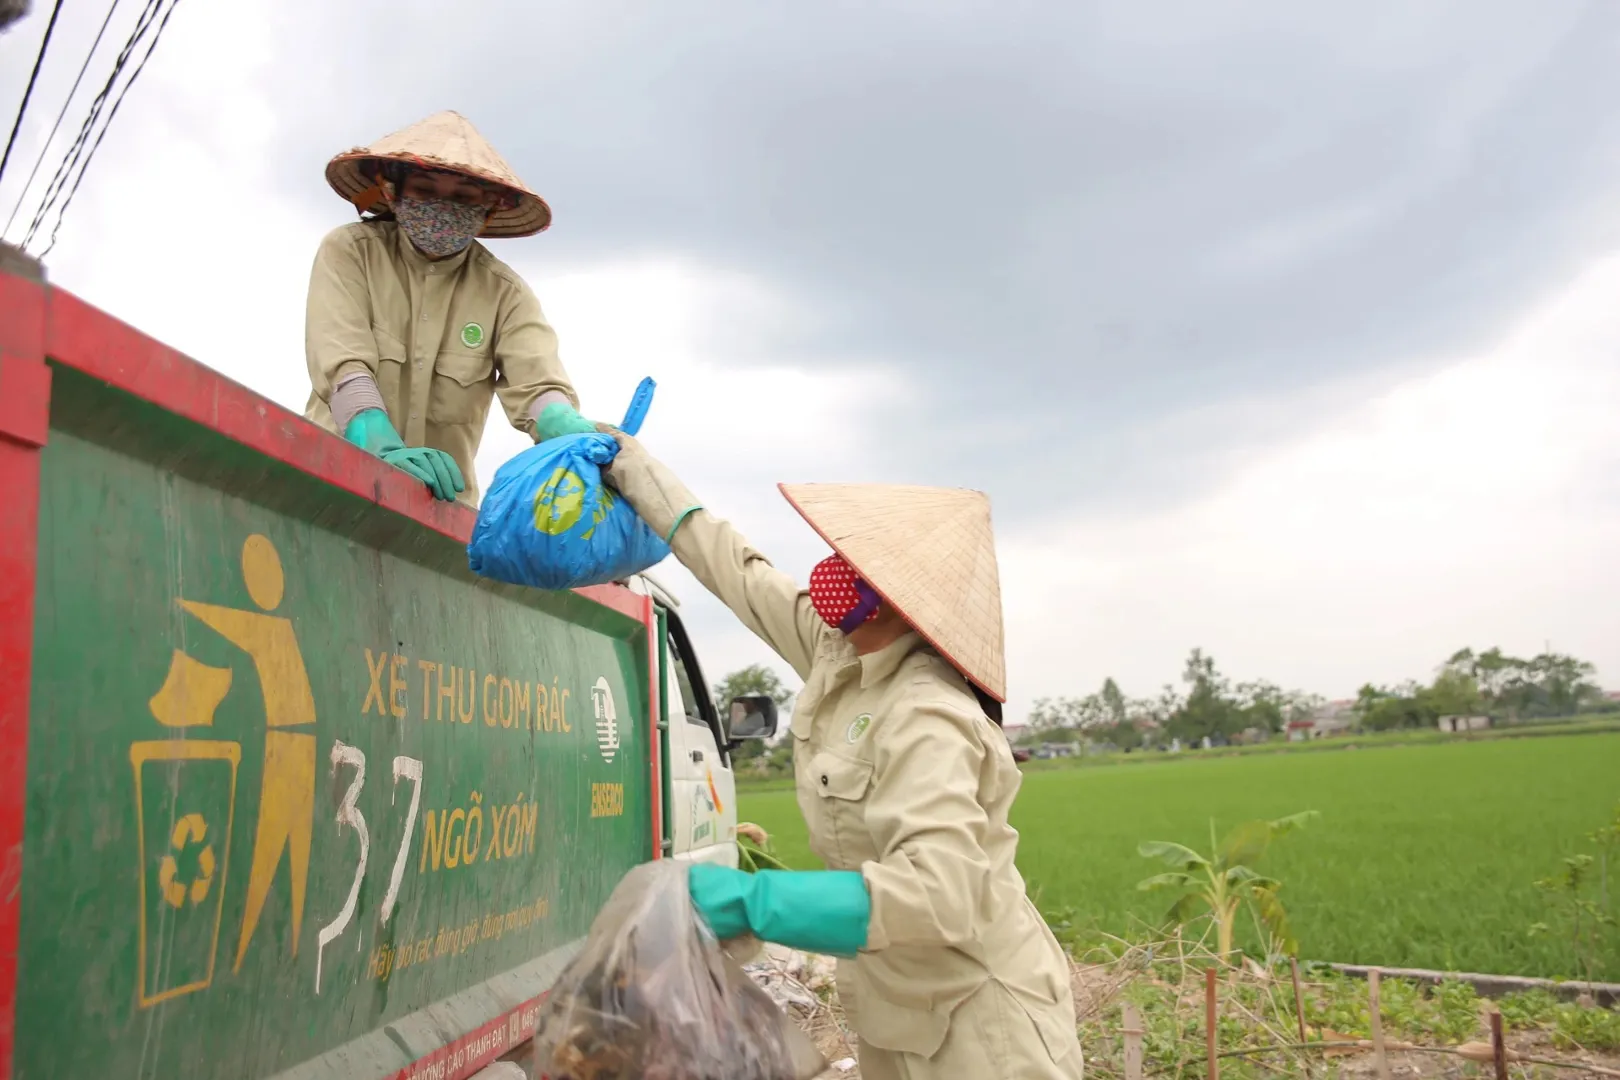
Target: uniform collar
[(878, 666), (421, 263), (842, 664)]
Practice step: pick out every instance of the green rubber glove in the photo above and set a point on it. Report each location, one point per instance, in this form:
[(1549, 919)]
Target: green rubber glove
[(560, 418), (820, 911), (372, 432)]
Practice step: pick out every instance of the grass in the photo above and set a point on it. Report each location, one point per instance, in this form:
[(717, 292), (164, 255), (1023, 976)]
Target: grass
[(1600, 724), (1424, 857), (1257, 1029), (1431, 1032), (1597, 724)]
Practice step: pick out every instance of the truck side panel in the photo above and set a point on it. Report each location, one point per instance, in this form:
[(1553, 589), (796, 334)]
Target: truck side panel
[(303, 797), (24, 421)]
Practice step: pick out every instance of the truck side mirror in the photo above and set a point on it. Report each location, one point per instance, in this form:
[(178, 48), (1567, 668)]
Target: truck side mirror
[(751, 717)]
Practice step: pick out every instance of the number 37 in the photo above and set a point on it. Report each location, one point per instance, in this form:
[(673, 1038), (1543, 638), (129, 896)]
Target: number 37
[(348, 814)]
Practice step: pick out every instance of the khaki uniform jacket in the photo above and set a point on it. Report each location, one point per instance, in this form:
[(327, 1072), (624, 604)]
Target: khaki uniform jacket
[(440, 339), (901, 776)]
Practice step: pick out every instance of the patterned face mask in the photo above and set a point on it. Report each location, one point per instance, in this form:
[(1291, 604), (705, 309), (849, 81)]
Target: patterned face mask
[(439, 227), (839, 595)]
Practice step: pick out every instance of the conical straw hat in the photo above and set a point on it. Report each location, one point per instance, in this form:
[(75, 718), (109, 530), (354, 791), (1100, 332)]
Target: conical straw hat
[(929, 553), (446, 141)]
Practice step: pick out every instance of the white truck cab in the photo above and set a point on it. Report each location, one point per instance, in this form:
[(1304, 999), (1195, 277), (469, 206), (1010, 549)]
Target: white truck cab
[(697, 738)]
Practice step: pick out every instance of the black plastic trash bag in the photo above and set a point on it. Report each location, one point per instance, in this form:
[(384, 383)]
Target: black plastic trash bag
[(652, 996)]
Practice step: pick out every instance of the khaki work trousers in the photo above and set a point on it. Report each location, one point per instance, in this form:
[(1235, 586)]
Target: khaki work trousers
[(991, 1037)]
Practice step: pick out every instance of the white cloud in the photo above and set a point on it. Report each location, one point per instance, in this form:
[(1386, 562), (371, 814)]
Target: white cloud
[(175, 229), (723, 425), (1478, 505), (178, 232)]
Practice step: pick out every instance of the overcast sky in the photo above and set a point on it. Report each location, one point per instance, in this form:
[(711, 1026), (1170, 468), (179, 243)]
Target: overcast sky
[(1287, 331)]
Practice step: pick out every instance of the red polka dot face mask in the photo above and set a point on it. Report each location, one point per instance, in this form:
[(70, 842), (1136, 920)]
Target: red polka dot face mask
[(839, 596)]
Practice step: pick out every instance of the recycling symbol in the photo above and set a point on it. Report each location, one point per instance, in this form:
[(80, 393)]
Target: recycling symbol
[(191, 829)]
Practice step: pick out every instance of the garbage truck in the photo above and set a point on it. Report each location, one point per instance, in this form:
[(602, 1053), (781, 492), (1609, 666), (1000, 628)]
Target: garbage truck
[(285, 790)]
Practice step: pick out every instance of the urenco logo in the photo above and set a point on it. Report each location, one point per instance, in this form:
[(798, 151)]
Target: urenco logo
[(607, 721)]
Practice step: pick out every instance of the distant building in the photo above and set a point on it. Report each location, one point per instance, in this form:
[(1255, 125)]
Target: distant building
[(1334, 718), (1464, 723)]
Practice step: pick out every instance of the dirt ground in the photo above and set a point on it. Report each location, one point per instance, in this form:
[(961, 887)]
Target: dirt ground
[(1097, 987)]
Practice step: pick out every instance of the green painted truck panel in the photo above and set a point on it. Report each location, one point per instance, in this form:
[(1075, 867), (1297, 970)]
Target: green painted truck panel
[(304, 797)]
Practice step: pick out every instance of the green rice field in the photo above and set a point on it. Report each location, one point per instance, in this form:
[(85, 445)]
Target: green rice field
[(1425, 855)]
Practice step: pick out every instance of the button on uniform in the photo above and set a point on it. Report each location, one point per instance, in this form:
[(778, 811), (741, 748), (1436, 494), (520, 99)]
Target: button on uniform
[(368, 290), (960, 977)]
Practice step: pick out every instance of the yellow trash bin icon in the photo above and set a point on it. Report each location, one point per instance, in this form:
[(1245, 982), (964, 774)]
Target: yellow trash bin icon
[(185, 795)]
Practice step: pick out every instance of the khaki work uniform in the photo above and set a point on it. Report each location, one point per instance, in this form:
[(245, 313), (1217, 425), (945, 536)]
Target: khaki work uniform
[(901, 776), (440, 339)]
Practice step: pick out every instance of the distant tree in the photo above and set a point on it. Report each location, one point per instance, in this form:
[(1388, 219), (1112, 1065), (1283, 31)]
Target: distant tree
[(1208, 710), (1050, 714), (1062, 735), (752, 681), (1406, 706), (1262, 705), (1206, 704), (1455, 693), (1551, 684), (1151, 716), (1123, 735), (1565, 683), (1081, 714), (1113, 701), (1497, 674), (1378, 709), (1107, 716)]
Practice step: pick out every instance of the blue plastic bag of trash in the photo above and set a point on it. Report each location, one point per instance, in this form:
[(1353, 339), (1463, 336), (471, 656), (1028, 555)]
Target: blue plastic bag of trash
[(549, 522)]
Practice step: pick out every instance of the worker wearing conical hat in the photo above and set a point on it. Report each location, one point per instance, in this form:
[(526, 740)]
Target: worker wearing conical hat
[(903, 776), (413, 326)]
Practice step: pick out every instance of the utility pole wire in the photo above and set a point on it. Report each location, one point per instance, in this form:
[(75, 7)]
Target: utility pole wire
[(70, 159), (45, 147), (62, 213), (39, 61)]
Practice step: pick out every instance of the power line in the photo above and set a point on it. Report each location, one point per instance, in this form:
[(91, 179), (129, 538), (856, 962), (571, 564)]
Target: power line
[(75, 151), (46, 145), (62, 213), (39, 61)]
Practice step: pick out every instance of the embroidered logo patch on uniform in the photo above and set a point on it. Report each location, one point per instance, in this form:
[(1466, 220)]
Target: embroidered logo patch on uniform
[(858, 727), (472, 335)]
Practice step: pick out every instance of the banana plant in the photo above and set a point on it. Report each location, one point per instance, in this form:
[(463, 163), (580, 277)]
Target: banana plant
[(1225, 880)]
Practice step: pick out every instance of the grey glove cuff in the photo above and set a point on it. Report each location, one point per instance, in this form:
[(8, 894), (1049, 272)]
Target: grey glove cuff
[(549, 397), (353, 396)]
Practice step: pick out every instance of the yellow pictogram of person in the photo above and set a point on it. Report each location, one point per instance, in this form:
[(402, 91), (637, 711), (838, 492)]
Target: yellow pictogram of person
[(287, 798)]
